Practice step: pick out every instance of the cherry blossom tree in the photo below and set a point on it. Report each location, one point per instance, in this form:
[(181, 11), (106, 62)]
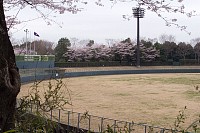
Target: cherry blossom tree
[(77, 55), (148, 54), (123, 51), (99, 53), (70, 54), (104, 53), (92, 53)]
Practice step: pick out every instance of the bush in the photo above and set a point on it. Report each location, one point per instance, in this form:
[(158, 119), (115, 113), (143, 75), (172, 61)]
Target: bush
[(32, 113)]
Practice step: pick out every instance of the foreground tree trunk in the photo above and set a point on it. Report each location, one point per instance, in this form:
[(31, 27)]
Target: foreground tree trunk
[(9, 77)]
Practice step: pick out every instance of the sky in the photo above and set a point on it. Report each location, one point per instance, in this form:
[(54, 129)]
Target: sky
[(100, 23)]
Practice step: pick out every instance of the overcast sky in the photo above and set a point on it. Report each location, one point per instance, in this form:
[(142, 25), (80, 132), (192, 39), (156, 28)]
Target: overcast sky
[(100, 23)]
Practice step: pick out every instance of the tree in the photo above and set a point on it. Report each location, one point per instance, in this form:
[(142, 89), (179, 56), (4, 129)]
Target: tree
[(74, 42), (123, 51), (22, 48), (90, 54), (164, 37), (147, 43), (195, 41), (61, 48), (197, 51), (42, 47), (9, 77), (104, 53), (157, 45), (184, 50), (148, 53), (168, 50), (93, 53), (110, 41), (191, 53), (127, 40), (90, 43)]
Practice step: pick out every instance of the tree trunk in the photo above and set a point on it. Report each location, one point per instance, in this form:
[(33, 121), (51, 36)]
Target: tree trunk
[(9, 77)]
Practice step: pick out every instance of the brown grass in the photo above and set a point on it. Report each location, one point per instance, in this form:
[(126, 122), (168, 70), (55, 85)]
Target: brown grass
[(148, 98)]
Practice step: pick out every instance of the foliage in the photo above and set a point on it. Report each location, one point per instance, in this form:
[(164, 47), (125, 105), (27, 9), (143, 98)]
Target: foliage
[(147, 43), (123, 51), (92, 53), (61, 48), (33, 110), (42, 47), (90, 43), (185, 50), (197, 50), (169, 49), (180, 119), (166, 38), (120, 51), (148, 53)]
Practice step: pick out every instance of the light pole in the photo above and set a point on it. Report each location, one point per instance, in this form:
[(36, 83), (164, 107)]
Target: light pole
[(30, 44), (26, 30), (138, 13)]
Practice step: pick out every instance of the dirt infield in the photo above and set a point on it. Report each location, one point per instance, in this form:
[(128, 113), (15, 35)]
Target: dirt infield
[(143, 98)]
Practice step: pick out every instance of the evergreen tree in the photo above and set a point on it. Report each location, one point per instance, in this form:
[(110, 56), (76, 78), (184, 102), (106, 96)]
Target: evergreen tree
[(61, 49), (197, 51)]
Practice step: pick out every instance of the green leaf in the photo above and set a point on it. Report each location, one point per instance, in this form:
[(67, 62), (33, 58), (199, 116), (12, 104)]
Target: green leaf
[(10, 131)]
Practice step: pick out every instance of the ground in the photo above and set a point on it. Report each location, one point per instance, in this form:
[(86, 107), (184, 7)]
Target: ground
[(143, 98)]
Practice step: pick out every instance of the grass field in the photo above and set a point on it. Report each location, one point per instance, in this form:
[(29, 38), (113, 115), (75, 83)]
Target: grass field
[(143, 98)]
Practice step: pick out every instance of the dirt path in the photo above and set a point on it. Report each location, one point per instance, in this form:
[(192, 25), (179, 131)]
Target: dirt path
[(80, 69)]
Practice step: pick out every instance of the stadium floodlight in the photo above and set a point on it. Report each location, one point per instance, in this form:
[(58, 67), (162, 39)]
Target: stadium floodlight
[(26, 30), (138, 13)]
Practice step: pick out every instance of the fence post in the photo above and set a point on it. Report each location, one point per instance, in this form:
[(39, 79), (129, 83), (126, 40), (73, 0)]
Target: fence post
[(129, 127), (114, 125), (145, 129), (89, 123), (58, 126), (101, 128), (68, 121), (78, 122), (162, 130), (59, 116), (31, 108)]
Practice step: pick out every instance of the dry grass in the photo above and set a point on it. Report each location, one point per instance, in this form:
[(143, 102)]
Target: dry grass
[(148, 98)]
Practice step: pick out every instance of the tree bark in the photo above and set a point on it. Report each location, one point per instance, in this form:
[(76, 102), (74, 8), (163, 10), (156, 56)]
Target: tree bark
[(9, 77)]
